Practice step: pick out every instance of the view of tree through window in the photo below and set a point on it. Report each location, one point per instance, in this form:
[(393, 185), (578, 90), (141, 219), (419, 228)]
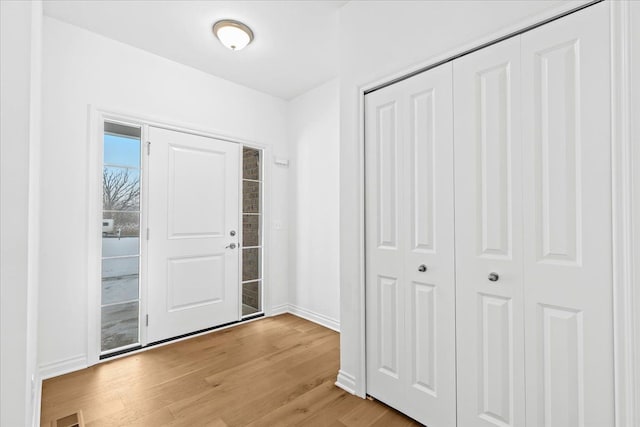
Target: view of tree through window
[(120, 237), (121, 189)]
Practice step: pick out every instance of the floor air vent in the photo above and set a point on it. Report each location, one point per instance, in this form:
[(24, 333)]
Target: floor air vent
[(73, 420)]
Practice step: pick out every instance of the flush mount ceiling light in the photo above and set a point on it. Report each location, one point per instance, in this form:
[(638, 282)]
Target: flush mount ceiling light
[(233, 34)]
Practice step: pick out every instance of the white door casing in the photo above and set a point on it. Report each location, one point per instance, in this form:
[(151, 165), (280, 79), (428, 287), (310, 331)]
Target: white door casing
[(411, 314), (567, 221), (193, 207), (488, 229)]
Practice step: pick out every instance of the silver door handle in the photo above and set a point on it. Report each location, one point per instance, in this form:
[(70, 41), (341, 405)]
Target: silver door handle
[(422, 268), (231, 246), (493, 277)]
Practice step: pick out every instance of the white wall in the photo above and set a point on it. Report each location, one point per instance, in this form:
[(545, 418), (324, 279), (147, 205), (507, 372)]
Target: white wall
[(380, 40), (314, 137), (20, 66), (82, 68)]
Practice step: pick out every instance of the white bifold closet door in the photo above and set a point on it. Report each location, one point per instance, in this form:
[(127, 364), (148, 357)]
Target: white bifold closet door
[(488, 164), (533, 206), (410, 290), (567, 221)]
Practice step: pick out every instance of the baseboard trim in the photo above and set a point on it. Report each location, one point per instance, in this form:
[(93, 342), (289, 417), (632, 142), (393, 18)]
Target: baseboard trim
[(61, 367), (76, 363), (346, 381), (312, 316), (279, 309), (37, 404)]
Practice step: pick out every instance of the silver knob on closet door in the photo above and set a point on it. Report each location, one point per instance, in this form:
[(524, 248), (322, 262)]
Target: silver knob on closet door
[(422, 268), (232, 233), (231, 246), (493, 277)]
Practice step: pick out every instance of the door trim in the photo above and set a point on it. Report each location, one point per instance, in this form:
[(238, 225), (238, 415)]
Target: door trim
[(483, 45), (95, 129), (625, 251)]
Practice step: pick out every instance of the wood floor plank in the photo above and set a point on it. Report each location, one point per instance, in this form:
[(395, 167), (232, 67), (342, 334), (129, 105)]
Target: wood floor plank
[(394, 418), (363, 415), (298, 409), (330, 415), (134, 417), (277, 371)]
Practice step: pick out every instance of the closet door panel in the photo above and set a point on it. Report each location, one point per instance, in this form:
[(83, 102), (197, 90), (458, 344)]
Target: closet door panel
[(567, 221), (409, 223), (385, 112), (490, 335), (428, 206)]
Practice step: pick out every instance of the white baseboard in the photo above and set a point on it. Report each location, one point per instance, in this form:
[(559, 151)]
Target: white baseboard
[(37, 404), (346, 381), (61, 367), (312, 316), (76, 363), (279, 309)]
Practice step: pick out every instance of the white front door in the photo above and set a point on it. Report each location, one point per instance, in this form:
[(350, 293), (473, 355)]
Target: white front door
[(193, 233), (567, 221), (410, 290), (488, 169)]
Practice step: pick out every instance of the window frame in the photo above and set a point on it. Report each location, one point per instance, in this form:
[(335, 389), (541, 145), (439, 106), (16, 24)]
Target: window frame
[(261, 246), (116, 350)]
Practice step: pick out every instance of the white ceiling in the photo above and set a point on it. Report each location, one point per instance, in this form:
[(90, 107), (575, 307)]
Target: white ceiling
[(295, 46)]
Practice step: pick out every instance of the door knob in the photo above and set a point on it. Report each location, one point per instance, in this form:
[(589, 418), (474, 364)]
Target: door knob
[(493, 277), (231, 246), (422, 268), (232, 233)]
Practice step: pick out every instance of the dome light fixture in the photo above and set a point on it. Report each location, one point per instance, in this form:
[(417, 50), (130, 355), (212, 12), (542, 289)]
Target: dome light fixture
[(233, 34)]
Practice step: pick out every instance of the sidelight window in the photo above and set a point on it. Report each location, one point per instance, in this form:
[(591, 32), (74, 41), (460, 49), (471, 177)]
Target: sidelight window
[(120, 292), (252, 238)]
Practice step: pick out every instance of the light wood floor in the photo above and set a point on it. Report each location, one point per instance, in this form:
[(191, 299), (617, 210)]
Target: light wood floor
[(274, 371)]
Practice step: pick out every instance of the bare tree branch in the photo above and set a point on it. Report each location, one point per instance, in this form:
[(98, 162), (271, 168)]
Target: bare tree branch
[(120, 190)]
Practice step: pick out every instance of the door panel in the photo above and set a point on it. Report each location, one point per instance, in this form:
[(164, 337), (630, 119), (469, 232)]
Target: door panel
[(385, 303), (193, 207), (557, 172), (189, 169), (411, 313), (194, 281), (388, 351), (387, 147), (561, 361), (567, 221), (493, 91), (495, 330), (424, 346), (490, 336), (423, 169)]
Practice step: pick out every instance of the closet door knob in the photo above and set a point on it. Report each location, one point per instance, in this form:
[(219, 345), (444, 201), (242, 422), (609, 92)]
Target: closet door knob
[(493, 277), (422, 268)]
